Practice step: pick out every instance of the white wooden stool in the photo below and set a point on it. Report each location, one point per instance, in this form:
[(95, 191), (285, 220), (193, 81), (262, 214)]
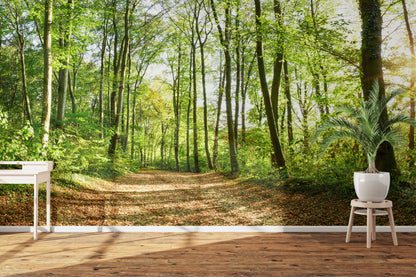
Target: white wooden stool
[(371, 212)]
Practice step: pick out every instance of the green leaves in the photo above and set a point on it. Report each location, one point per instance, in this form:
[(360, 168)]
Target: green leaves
[(364, 124)]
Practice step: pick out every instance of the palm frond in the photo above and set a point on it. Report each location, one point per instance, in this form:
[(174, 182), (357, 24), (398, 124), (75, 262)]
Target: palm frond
[(374, 95), (395, 137), (400, 118), (348, 109), (366, 128), (335, 135), (333, 123), (393, 94)]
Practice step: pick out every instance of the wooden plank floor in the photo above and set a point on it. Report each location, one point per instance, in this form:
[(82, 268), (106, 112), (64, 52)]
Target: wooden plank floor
[(205, 254)]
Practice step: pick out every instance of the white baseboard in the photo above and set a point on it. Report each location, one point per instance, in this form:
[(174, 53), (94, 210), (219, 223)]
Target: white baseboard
[(201, 229)]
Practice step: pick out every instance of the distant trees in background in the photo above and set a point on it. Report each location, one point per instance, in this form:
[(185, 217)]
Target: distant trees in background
[(195, 85)]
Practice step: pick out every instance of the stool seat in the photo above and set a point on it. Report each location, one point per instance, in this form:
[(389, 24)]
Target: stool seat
[(376, 212), (371, 211), (375, 205)]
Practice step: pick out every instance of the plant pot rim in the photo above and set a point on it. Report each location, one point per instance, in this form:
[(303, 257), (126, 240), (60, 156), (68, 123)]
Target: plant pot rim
[(363, 172)]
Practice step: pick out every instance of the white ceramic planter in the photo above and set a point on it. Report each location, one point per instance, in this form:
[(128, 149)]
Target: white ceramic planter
[(371, 186)]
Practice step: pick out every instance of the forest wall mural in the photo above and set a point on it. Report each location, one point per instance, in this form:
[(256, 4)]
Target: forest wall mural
[(211, 105)]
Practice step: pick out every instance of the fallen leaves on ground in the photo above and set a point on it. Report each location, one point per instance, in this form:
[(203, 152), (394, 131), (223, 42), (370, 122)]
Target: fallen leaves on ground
[(154, 197)]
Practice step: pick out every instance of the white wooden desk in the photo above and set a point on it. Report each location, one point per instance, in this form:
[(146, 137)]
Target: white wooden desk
[(31, 173)]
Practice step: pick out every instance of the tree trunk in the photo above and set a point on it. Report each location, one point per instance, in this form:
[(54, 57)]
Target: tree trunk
[(278, 154), (133, 120), (188, 114), (316, 85), (412, 74), (288, 104), (47, 73), (225, 42), (237, 74), (62, 91), (162, 143), (127, 130), (277, 65), (204, 91), (305, 115), (176, 107), (324, 76), (217, 121), (72, 90), (26, 99), (244, 89), (102, 68), (64, 45), (194, 105), (113, 98), (372, 71), (28, 110), (121, 82)]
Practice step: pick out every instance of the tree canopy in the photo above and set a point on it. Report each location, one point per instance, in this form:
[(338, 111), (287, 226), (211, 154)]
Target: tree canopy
[(194, 85)]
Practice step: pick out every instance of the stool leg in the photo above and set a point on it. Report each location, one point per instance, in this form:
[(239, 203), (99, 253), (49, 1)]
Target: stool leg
[(393, 229), (374, 225), (350, 222), (369, 226)]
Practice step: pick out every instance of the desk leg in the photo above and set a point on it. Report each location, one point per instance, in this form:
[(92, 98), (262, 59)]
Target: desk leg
[(35, 209), (48, 206)]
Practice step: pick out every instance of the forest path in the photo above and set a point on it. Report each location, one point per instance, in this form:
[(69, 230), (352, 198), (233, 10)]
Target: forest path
[(157, 197), (147, 180)]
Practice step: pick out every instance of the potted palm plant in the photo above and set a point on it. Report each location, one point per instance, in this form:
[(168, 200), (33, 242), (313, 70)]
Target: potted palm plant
[(363, 125)]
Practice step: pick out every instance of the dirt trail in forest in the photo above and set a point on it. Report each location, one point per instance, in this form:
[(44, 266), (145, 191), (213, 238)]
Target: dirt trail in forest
[(157, 197), (158, 180)]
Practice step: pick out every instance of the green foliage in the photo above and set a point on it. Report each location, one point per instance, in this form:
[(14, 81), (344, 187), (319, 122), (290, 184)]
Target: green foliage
[(367, 128), (18, 143), (80, 149), (332, 173), (321, 48)]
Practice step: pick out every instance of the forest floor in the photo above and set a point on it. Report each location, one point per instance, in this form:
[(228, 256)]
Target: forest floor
[(155, 197)]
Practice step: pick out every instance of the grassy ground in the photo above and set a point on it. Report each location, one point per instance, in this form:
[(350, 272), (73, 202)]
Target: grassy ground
[(153, 197)]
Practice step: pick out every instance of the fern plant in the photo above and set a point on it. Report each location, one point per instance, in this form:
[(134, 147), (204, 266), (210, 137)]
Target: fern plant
[(363, 125)]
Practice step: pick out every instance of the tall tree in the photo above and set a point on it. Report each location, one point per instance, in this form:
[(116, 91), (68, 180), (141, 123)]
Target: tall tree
[(279, 160), (278, 63), (188, 113), (218, 114), (225, 43), (237, 38), (315, 60), (64, 45), (372, 71), (217, 120), (288, 103), (47, 72), (412, 73), (176, 98), (203, 31), (102, 67), (15, 12), (188, 26), (244, 88), (120, 81), (194, 98)]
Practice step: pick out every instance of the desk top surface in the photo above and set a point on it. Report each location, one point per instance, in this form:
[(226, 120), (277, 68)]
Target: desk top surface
[(20, 172)]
